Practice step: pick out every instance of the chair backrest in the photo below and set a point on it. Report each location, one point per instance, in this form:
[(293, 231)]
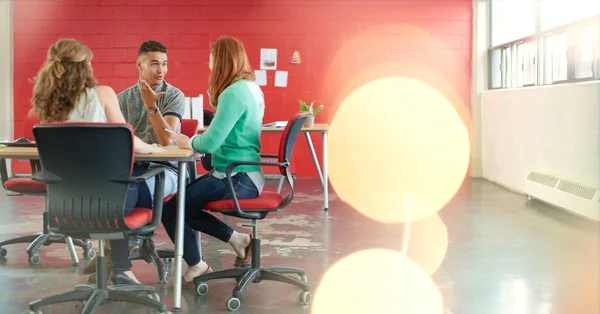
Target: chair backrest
[(288, 139), (206, 160), (80, 162), (189, 127), (208, 117)]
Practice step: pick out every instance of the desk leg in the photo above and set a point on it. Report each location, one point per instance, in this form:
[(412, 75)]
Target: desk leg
[(314, 155), (280, 184), (325, 174), (179, 237)]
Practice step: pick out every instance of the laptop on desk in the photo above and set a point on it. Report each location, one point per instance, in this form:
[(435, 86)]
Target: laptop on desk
[(276, 124)]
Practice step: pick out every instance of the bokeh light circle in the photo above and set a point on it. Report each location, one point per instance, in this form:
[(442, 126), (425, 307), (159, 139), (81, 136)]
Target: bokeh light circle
[(397, 142), (428, 243), (377, 281)]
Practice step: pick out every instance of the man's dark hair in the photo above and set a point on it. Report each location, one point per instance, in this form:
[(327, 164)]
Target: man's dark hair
[(152, 46)]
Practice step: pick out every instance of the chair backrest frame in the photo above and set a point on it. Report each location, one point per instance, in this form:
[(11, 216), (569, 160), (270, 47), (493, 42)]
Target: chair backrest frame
[(286, 148), (85, 166)]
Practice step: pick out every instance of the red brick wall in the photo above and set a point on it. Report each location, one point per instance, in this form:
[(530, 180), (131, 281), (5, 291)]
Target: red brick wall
[(337, 41)]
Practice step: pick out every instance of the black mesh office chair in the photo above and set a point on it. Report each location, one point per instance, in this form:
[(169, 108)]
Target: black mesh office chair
[(87, 169), (257, 209), (27, 186)]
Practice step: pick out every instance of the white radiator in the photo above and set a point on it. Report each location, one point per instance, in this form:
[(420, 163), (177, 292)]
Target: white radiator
[(575, 197)]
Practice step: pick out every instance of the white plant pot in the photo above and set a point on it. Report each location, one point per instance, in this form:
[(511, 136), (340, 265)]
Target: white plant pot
[(310, 121)]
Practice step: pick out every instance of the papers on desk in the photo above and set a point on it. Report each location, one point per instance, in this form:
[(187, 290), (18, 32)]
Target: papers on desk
[(198, 109), (276, 124), (187, 110), (194, 109)]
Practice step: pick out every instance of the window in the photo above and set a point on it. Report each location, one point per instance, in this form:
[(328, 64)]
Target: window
[(495, 67), (511, 20), (507, 67), (584, 50), (543, 42), (557, 48), (555, 13), (529, 68)]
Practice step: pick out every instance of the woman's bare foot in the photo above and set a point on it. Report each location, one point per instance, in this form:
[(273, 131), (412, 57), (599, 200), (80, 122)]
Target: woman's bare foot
[(195, 271), (239, 242), (130, 274)]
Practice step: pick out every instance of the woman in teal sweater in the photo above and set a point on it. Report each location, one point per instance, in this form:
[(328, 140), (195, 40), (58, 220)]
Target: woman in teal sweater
[(233, 135)]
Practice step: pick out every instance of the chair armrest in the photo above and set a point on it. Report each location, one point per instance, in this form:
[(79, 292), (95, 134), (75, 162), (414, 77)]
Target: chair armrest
[(159, 190), (234, 164), (228, 172), (143, 177), (46, 177)]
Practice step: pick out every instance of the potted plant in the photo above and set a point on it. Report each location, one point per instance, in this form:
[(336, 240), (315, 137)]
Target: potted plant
[(310, 121)]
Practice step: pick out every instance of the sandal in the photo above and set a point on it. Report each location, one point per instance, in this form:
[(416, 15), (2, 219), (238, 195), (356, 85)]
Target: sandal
[(186, 283), (118, 277), (239, 262)]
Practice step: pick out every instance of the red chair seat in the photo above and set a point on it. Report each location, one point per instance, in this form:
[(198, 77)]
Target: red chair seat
[(137, 217), (25, 185), (267, 201), (169, 197)]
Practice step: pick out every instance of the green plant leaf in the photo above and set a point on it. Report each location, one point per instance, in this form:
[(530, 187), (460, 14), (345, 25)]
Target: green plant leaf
[(318, 109), (303, 106)]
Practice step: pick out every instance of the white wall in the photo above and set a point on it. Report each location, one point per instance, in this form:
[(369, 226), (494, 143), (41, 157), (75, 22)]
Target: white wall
[(548, 129), (6, 64)]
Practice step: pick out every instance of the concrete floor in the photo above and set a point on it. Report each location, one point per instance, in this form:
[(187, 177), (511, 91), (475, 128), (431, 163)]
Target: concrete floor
[(505, 255)]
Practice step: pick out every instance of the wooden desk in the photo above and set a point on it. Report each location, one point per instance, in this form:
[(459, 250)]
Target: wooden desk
[(322, 128), (317, 128), (172, 153)]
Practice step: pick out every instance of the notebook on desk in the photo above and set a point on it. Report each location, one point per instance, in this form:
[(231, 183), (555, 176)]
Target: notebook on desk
[(276, 124)]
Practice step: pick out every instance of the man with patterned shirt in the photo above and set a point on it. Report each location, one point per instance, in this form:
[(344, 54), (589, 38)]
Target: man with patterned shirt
[(149, 106)]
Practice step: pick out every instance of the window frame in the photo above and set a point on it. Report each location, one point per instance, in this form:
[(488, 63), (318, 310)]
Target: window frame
[(539, 40)]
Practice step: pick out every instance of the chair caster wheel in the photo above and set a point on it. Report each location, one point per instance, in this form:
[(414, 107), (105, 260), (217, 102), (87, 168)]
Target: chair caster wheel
[(34, 259), (233, 304), (164, 278), (154, 296), (89, 245), (202, 289), (304, 279), (88, 254), (2, 252), (304, 298)]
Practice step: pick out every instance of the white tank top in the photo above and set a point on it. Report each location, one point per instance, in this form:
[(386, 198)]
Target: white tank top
[(88, 109)]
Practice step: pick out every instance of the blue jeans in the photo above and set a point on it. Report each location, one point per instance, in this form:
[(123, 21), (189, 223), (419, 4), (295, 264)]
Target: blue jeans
[(202, 191), (138, 195)]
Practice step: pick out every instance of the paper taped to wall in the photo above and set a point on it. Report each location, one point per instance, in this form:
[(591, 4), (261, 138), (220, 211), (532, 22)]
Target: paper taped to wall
[(281, 78), (261, 77)]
